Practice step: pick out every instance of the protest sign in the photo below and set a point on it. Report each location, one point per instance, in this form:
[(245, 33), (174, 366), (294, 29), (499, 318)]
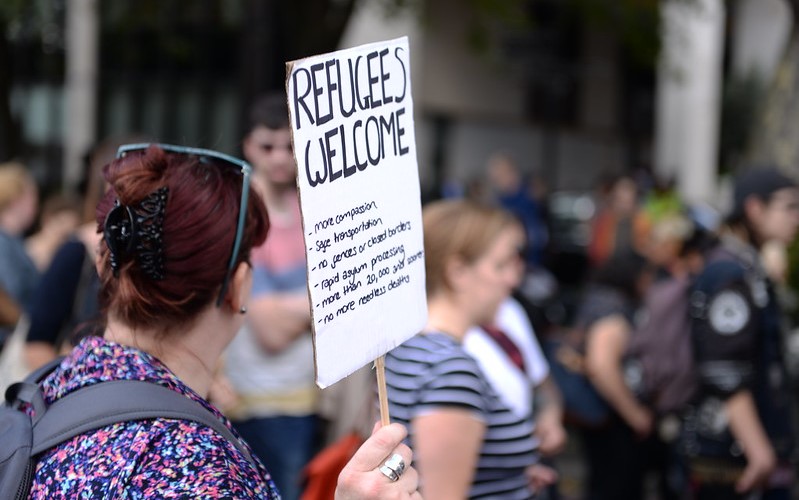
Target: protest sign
[(353, 134)]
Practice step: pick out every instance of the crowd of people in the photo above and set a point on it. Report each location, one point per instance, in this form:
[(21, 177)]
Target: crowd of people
[(672, 363), (669, 366)]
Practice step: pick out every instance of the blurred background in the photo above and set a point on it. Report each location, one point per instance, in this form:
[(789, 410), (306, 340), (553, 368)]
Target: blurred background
[(562, 95), (574, 91)]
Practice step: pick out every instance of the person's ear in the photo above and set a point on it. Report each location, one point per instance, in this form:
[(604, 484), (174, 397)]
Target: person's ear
[(455, 272), (98, 261), (753, 209), (239, 290), (249, 147)]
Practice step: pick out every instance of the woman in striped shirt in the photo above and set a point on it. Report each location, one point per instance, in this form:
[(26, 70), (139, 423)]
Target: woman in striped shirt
[(466, 442)]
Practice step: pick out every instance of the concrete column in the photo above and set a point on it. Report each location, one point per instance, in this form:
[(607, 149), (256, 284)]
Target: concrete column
[(688, 106), (82, 32)]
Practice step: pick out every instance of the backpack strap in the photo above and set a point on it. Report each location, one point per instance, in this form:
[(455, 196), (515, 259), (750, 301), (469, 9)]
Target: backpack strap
[(108, 403), (27, 390)]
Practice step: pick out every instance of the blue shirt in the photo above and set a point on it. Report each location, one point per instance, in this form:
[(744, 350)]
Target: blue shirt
[(18, 273)]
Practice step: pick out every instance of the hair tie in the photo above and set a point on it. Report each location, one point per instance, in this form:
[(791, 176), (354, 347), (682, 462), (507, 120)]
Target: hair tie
[(137, 231)]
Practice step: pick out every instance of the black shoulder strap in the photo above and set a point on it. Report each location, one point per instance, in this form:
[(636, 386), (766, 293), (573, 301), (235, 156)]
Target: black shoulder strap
[(108, 403)]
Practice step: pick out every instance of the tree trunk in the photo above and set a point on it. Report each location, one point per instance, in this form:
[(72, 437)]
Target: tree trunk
[(776, 133)]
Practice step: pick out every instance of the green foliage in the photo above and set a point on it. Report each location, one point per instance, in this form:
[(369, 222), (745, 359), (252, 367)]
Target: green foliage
[(635, 22), (36, 20), (393, 8), (11, 9), (170, 36), (510, 13), (489, 16)]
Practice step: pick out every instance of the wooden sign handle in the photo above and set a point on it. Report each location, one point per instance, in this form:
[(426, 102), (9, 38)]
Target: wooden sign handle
[(382, 394)]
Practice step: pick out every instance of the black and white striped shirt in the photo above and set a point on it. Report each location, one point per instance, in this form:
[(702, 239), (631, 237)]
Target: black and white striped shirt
[(432, 371)]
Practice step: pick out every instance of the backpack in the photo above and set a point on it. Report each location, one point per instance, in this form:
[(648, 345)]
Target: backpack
[(23, 438), (661, 347), (583, 406), (565, 349)]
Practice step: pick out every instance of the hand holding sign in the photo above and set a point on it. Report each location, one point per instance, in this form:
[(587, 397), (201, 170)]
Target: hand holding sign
[(352, 124)]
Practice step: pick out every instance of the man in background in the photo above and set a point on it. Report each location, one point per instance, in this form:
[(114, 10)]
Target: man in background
[(270, 363)]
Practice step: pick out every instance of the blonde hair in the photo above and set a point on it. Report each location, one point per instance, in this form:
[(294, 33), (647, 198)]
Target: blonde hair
[(458, 228), (14, 179)]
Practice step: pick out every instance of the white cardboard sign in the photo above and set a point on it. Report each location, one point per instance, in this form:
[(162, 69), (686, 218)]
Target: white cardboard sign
[(353, 132)]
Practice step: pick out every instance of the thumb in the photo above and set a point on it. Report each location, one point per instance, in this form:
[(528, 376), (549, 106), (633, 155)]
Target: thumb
[(374, 450)]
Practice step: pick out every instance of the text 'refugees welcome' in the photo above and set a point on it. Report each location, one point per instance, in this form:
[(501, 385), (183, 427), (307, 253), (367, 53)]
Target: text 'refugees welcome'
[(357, 86)]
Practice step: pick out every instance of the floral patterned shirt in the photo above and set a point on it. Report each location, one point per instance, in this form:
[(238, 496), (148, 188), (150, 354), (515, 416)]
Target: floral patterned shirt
[(156, 458)]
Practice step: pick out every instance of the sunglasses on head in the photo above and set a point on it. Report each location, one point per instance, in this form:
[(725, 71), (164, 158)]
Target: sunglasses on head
[(220, 160)]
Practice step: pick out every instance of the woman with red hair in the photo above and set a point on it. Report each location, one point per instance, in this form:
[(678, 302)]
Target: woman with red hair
[(178, 225)]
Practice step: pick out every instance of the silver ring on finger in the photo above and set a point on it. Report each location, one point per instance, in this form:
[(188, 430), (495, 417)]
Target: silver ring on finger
[(393, 467), (396, 463), (389, 473)]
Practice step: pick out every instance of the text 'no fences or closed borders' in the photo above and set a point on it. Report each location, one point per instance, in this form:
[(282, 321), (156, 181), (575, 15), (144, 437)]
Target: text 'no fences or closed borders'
[(354, 280)]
